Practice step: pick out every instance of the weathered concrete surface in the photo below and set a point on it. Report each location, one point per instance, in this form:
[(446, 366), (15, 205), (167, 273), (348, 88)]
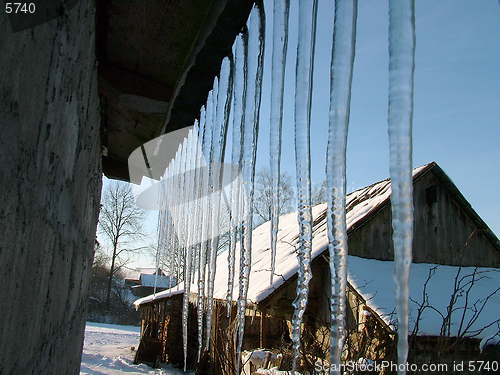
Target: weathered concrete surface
[(50, 180)]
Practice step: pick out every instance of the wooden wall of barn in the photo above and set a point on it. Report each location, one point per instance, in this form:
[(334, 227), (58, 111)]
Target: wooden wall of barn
[(442, 230), (279, 303), (368, 336), (162, 320)]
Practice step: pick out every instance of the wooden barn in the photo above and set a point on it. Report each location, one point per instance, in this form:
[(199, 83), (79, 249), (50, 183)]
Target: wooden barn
[(455, 255)]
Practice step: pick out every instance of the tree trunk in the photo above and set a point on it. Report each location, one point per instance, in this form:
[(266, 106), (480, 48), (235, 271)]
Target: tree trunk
[(110, 279)]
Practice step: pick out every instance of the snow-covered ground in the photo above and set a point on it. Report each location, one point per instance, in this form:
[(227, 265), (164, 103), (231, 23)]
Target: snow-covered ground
[(109, 350)]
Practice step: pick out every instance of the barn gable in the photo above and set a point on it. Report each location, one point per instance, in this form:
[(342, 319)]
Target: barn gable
[(447, 229)]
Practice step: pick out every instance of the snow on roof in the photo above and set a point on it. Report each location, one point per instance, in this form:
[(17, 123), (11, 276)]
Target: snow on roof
[(161, 281), (372, 278), (489, 340), (135, 274)]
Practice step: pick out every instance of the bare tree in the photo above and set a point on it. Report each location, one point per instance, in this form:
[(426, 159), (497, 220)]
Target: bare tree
[(459, 319), (318, 194), (262, 198), (122, 223)]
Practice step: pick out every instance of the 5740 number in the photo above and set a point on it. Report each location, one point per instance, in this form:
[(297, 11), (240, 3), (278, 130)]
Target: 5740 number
[(19, 8)]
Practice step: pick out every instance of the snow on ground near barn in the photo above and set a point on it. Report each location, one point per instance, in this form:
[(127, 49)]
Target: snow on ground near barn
[(107, 350)]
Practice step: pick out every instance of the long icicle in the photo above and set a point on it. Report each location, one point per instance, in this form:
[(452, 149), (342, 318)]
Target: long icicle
[(256, 43), (303, 98), (223, 105), (177, 209), (240, 90), (401, 68), (343, 49), (280, 43), (170, 230), (204, 188), (187, 201), (160, 230), (207, 223), (211, 117)]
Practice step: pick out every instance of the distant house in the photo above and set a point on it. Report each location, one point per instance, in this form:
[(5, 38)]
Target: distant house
[(456, 258), (134, 275), (142, 281)]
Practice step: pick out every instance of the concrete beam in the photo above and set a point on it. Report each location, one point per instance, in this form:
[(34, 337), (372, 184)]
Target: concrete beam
[(50, 191)]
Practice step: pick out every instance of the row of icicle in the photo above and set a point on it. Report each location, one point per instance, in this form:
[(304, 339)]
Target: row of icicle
[(191, 248)]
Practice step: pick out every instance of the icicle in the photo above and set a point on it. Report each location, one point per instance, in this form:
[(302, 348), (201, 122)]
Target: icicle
[(160, 232), (303, 98), (167, 258), (221, 117), (177, 188), (201, 247), (401, 68), (344, 38), (205, 228), (206, 121), (240, 88), (208, 152), (209, 123), (187, 202), (167, 229), (256, 32), (172, 235), (194, 210), (190, 203), (280, 44)]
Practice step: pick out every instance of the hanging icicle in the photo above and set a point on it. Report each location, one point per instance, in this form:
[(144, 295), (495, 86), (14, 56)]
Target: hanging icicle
[(280, 44), (201, 194), (187, 201), (206, 121), (256, 33), (205, 228), (344, 37), (222, 104), (303, 98), (240, 89), (160, 233), (168, 229), (213, 205), (401, 68), (177, 213)]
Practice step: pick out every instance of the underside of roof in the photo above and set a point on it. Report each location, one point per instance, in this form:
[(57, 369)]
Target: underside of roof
[(157, 60)]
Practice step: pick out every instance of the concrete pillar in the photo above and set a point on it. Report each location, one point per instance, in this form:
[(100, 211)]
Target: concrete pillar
[(50, 181)]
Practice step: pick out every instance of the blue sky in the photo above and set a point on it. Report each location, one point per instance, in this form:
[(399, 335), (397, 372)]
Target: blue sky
[(456, 98)]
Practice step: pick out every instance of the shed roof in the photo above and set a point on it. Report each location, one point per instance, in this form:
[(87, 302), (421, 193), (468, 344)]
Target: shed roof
[(160, 281), (475, 287), (135, 274)]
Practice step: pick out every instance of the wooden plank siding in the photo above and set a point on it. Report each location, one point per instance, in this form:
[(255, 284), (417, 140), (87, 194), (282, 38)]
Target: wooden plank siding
[(442, 229), (162, 319)]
